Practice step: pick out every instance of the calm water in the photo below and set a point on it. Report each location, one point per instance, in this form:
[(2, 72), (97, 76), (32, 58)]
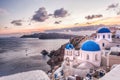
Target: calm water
[(13, 52), (22, 46)]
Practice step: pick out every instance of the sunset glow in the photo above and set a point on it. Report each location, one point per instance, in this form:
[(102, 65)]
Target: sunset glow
[(41, 15)]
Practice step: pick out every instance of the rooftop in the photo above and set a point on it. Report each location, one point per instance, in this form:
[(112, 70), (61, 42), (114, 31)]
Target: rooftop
[(103, 30), (69, 46), (90, 45)]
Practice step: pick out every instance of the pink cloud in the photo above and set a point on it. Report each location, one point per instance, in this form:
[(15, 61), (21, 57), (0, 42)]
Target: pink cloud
[(3, 11)]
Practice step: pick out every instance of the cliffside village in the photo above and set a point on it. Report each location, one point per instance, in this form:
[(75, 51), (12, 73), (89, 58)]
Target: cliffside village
[(97, 58)]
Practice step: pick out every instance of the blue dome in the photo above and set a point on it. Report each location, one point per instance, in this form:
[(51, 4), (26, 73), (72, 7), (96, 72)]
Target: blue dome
[(69, 46), (90, 45), (104, 30)]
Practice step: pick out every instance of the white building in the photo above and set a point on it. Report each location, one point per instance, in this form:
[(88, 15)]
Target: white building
[(89, 52), (104, 37), (117, 34), (69, 54)]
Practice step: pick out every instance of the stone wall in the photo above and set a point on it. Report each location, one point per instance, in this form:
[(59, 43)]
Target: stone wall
[(114, 60)]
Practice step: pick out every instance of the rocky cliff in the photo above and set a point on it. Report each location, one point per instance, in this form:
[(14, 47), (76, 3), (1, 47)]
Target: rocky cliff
[(56, 57)]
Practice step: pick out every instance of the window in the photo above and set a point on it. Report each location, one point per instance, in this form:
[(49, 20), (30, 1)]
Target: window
[(103, 36), (95, 36), (109, 36), (96, 57), (70, 54), (103, 44), (87, 57), (67, 59), (98, 36)]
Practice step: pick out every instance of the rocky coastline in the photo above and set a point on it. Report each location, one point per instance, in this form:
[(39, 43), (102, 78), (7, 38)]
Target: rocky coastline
[(57, 56)]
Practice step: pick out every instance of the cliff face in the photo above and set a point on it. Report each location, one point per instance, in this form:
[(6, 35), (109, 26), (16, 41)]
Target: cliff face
[(56, 57), (77, 41)]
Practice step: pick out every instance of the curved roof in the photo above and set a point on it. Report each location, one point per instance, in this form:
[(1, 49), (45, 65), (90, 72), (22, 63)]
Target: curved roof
[(103, 30), (90, 45), (86, 65), (69, 46)]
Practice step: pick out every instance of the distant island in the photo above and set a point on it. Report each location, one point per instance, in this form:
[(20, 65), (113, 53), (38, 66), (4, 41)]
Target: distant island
[(48, 36)]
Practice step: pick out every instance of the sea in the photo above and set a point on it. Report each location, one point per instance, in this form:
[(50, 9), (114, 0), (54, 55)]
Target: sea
[(24, 54)]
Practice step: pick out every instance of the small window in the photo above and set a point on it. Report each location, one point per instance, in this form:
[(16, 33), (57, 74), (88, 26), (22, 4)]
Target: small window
[(103, 44), (109, 36), (67, 59), (87, 57), (98, 36), (96, 57), (95, 36), (103, 36), (70, 54)]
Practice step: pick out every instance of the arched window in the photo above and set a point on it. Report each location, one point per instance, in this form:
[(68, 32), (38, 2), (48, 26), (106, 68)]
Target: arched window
[(103, 44), (70, 54), (96, 57), (67, 59), (95, 36), (103, 36), (87, 57), (109, 36)]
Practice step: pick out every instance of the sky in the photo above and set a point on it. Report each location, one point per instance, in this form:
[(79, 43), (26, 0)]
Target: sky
[(27, 16)]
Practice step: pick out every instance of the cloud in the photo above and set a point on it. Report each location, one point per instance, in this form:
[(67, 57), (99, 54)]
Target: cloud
[(88, 23), (40, 15), (17, 22), (112, 6), (60, 13), (3, 11), (115, 8), (76, 23), (6, 27), (93, 16), (57, 22)]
